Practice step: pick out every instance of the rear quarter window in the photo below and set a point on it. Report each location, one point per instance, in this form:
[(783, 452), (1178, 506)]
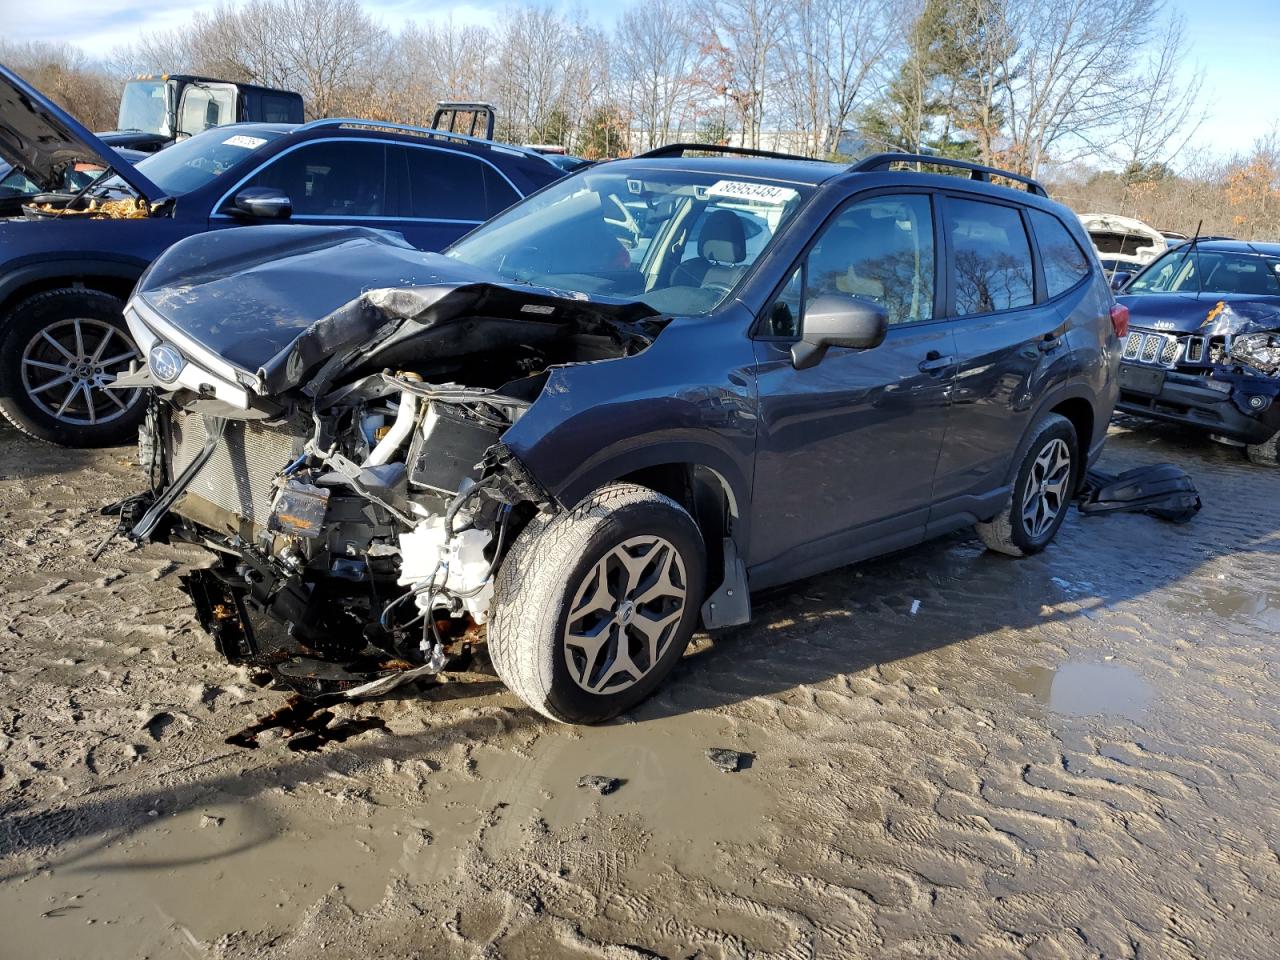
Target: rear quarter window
[(1065, 264)]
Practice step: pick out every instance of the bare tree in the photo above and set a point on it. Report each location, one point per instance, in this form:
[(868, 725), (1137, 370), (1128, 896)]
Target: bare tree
[(830, 50), (1070, 80), (1165, 112), (660, 56), (749, 33), (66, 74)]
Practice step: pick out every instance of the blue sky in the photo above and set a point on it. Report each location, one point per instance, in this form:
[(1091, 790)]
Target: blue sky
[(1234, 41)]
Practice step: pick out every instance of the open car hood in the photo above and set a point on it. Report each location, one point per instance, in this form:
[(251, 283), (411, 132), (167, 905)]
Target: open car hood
[(280, 302), (41, 140)]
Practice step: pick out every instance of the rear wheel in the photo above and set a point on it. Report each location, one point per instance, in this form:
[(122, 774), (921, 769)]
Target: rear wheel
[(1042, 491), (58, 352), (595, 606), (1267, 453)]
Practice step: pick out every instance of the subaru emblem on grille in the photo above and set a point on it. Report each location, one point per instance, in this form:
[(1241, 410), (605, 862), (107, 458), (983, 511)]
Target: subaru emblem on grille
[(165, 362)]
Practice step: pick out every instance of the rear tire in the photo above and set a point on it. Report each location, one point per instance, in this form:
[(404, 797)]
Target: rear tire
[(1042, 491), (594, 607), (57, 349), (1266, 453)]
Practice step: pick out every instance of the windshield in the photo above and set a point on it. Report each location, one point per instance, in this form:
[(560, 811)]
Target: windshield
[(145, 106), (191, 164), (1188, 270), (677, 241)]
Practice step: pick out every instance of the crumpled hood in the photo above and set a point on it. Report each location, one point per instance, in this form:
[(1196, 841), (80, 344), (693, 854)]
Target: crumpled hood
[(279, 301), (1209, 314), (42, 140)]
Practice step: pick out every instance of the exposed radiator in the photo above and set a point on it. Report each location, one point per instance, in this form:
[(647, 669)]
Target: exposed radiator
[(237, 477)]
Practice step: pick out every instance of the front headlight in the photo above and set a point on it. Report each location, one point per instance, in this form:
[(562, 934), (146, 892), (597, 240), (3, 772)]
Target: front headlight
[(1258, 350)]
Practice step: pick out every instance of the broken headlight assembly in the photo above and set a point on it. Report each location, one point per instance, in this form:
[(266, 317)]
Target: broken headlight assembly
[(1258, 350)]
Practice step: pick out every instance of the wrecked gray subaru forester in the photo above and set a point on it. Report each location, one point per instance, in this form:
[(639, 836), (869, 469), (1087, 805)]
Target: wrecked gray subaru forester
[(607, 414)]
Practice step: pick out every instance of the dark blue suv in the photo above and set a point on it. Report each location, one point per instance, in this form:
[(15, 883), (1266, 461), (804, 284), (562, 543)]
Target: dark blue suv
[(67, 266), (617, 408)]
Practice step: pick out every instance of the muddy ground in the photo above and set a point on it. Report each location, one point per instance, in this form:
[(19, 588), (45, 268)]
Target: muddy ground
[(951, 754)]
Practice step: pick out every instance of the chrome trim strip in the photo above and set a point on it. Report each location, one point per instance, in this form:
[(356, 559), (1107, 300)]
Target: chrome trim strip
[(203, 369)]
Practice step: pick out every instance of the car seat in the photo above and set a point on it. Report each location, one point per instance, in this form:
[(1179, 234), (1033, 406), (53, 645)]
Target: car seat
[(722, 246)]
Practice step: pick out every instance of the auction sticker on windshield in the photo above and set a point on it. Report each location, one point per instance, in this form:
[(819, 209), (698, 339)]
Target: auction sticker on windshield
[(759, 192), (240, 140)]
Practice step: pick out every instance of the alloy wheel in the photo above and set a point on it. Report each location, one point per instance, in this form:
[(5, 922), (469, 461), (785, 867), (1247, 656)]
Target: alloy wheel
[(66, 368), (624, 614), (1046, 493)]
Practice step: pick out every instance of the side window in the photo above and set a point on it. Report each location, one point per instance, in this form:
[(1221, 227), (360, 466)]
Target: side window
[(1064, 262), (276, 109), (334, 178), (880, 250), (991, 257), (443, 185), (203, 108)]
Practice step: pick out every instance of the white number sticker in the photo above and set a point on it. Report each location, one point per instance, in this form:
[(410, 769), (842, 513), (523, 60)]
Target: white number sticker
[(240, 140), (759, 192)]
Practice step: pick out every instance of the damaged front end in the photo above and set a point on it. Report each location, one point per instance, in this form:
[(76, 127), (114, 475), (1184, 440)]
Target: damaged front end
[(351, 483), (1222, 375)]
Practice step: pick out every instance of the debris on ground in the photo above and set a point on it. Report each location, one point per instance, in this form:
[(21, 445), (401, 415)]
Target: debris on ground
[(308, 724), (601, 785), (1162, 490), (730, 761)]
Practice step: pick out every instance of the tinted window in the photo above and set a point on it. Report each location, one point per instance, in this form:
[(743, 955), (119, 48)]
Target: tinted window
[(1064, 262), (991, 258), (879, 250), (342, 178), (452, 186), (276, 109)]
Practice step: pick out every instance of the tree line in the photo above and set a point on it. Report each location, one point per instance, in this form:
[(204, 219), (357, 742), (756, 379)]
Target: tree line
[(1038, 86)]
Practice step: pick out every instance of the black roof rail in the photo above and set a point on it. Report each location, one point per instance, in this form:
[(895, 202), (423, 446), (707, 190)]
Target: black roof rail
[(977, 171), (680, 149)]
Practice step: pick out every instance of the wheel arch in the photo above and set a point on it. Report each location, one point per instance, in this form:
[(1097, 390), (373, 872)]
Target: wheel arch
[(105, 276), (1076, 404)]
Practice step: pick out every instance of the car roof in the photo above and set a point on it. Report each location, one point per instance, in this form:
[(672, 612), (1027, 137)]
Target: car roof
[(809, 172), (1235, 246)]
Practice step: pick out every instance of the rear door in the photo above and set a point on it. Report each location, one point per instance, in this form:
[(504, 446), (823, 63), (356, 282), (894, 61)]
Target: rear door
[(846, 449), (440, 194), (1011, 343)]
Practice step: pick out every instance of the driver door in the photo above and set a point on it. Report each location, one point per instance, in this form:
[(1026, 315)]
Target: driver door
[(847, 449)]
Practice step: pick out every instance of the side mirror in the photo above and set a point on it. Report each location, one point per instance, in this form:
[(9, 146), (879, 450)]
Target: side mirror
[(1120, 278), (832, 320), (263, 203)]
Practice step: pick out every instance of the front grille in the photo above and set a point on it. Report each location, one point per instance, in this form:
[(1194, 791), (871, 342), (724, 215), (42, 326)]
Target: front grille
[(1147, 347), (237, 476), (1132, 346), (1195, 349)]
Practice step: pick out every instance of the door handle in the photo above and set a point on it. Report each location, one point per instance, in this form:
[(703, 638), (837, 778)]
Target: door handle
[(1049, 342), (933, 362)]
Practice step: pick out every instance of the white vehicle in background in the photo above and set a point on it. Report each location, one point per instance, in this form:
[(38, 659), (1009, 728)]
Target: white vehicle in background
[(1124, 245)]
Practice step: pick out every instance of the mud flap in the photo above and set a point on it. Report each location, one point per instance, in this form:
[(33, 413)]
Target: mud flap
[(1161, 490), (730, 605)]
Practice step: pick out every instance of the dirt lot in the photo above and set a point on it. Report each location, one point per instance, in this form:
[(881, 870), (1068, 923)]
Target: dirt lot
[(1075, 755)]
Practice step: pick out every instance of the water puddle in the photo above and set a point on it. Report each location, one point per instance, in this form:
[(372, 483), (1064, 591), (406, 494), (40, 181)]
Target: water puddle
[(1231, 603), (1081, 689)]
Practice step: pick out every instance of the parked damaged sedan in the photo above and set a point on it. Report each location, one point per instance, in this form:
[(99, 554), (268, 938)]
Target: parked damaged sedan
[(611, 411), (1204, 342)]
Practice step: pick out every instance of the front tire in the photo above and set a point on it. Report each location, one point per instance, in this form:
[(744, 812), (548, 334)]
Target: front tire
[(1042, 491), (594, 607), (58, 350)]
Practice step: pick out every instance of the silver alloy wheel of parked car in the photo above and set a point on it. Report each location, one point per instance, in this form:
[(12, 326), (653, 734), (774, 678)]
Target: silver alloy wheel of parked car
[(1046, 492), (624, 614), (66, 368)]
